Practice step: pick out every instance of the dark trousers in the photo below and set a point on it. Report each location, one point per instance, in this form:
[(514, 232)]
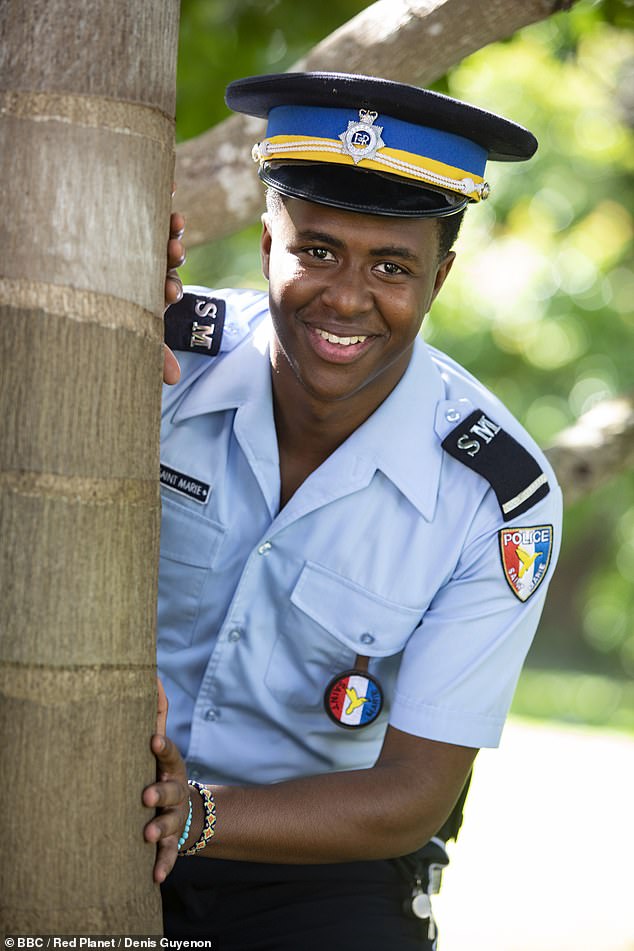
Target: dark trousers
[(244, 906)]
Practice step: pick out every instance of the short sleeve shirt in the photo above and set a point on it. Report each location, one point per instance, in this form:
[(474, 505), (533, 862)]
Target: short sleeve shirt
[(392, 550)]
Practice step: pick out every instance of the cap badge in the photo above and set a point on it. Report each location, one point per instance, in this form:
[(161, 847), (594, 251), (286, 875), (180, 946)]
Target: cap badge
[(362, 139), (353, 699)]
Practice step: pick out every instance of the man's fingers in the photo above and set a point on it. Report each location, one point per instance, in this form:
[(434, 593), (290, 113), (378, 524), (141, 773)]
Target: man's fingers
[(175, 258), (168, 759), (177, 225), (173, 287), (165, 828), (166, 855), (171, 375), (164, 825), (167, 793), (175, 253), (162, 704)]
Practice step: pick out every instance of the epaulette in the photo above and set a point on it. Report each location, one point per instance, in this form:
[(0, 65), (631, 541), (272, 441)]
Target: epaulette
[(195, 323), (512, 472)]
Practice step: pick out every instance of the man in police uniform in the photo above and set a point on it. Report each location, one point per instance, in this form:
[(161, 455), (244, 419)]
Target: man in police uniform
[(357, 536)]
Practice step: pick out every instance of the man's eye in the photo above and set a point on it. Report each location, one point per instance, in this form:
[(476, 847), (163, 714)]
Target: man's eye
[(388, 267), (322, 254)]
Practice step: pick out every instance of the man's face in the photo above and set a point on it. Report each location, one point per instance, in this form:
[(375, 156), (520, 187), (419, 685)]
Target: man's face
[(348, 293)]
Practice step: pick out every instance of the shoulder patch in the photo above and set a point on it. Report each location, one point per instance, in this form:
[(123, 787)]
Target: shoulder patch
[(513, 474), (525, 557), (195, 323)]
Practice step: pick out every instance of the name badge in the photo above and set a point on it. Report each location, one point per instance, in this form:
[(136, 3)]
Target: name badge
[(185, 484)]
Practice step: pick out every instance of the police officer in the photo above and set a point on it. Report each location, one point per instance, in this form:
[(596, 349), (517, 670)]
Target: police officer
[(357, 536)]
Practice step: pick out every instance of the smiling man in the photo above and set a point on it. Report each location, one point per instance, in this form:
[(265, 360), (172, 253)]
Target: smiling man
[(347, 300), (357, 538)]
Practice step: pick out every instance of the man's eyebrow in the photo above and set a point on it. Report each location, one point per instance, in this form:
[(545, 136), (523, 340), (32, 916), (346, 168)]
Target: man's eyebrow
[(321, 237), (387, 251), (395, 251)]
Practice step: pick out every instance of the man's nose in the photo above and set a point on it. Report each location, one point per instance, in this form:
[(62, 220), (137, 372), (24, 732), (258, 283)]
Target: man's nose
[(348, 294)]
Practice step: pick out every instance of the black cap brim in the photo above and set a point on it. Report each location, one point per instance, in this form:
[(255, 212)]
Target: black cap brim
[(358, 190)]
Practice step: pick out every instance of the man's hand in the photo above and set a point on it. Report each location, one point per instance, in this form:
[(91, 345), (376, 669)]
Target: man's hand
[(175, 258), (169, 796), (173, 286)]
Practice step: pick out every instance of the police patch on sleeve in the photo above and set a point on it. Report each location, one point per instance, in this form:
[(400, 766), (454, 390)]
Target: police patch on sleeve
[(353, 699), (525, 557)]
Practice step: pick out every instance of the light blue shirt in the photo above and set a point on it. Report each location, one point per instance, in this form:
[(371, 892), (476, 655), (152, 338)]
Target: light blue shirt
[(389, 550)]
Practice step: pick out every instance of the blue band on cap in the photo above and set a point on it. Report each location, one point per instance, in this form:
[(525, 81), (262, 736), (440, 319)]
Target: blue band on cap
[(397, 134)]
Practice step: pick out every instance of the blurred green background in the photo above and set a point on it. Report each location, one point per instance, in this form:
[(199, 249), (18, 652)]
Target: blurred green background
[(540, 305)]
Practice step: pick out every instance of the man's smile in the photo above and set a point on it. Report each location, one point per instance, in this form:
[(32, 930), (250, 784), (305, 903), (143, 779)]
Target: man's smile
[(337, 347), (343, 341)]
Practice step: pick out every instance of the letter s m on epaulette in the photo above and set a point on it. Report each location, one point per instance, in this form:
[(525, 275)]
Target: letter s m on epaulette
[(195, 323), (514, 475)]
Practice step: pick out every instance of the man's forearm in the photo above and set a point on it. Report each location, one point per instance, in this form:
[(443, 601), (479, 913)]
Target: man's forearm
[(376, 813)]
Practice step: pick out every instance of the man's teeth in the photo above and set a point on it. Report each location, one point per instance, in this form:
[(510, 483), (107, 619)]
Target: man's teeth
[(344, 341)]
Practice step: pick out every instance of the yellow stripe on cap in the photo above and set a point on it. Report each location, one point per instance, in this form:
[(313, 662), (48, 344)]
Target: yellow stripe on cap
[(397, 162)]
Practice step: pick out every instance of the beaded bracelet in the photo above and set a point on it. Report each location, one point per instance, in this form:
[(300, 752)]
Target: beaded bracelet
[(184, 837), (209, 826)]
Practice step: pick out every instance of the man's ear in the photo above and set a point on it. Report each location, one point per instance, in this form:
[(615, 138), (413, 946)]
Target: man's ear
[(441, 275), (265, 244)]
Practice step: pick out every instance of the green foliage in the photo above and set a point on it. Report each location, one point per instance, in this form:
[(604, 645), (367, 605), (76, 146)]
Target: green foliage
[(539, 305), (222, 40), (579, 698)]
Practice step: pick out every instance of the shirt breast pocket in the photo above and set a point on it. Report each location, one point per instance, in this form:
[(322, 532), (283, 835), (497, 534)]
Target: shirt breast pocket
[(190, 544), (329, 622)]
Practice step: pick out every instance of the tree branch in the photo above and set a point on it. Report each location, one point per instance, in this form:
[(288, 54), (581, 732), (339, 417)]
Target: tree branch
[(413, 41), (594, 450)]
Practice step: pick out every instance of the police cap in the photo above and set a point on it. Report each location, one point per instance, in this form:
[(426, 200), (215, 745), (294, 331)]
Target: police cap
[(374, 146)]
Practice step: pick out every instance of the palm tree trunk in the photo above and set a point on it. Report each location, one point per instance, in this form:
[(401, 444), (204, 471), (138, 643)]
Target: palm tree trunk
[(87, 93)]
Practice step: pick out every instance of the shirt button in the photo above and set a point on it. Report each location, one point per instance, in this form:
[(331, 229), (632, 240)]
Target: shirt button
[(367, 639), (212, 714), (452, 415), (264, 548), (235, 635)]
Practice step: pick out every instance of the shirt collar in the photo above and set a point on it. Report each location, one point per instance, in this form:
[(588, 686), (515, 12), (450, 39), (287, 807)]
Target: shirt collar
[(399, 438), (232, 381)]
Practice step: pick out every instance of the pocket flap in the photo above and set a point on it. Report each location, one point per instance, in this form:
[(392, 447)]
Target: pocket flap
[(188, 537), (365, 622)]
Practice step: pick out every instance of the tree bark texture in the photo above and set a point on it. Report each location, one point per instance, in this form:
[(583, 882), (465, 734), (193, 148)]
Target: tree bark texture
[(411, 41), (87, 98), (598, 447)]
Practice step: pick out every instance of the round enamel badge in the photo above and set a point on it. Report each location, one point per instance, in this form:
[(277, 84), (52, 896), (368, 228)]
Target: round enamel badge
[(353, 699)]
